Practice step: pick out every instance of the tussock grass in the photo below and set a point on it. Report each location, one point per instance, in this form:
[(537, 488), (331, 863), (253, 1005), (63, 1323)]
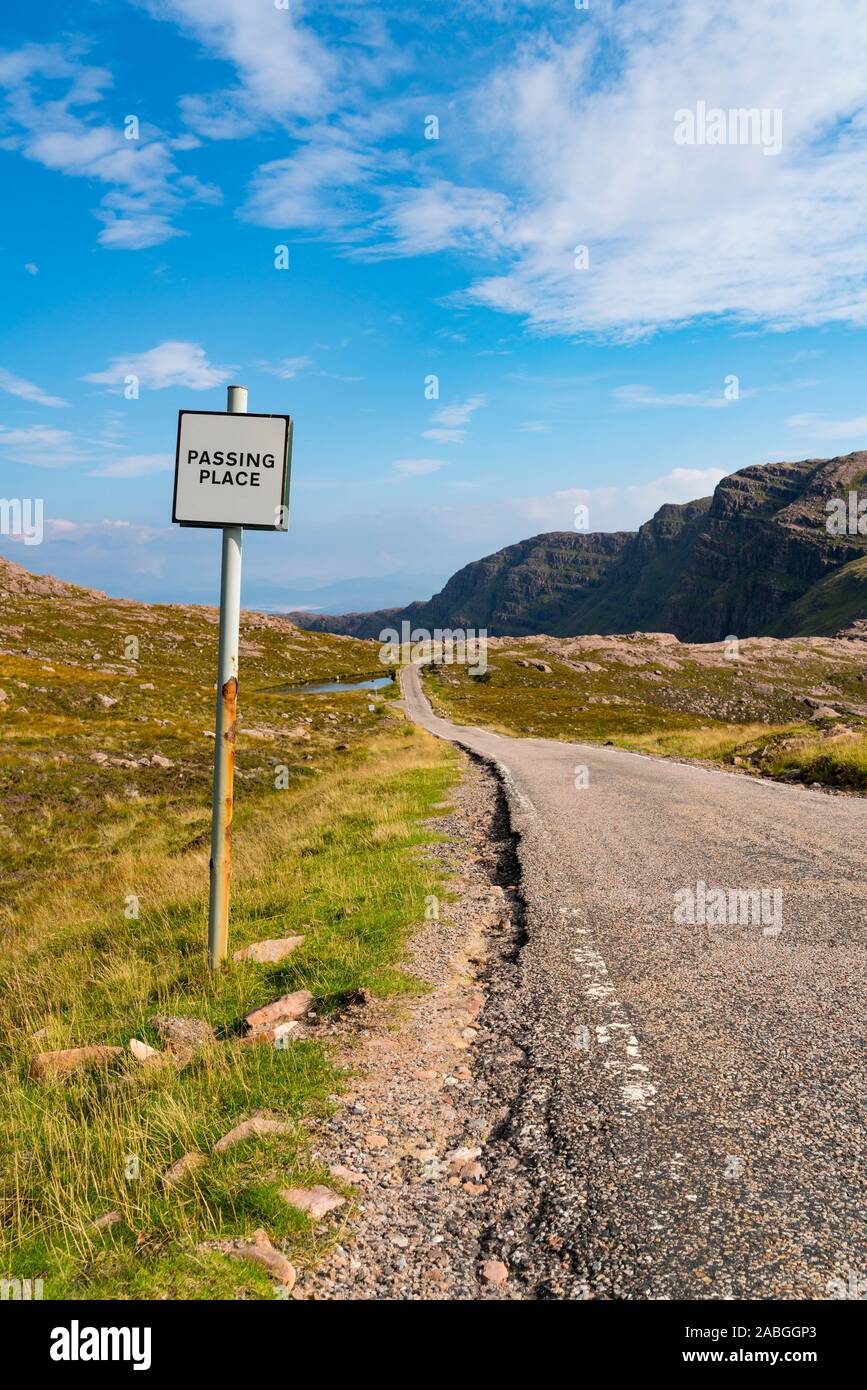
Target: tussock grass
[(835, 762), (748, 714), (103, 923), (332, 862), (788, 753)]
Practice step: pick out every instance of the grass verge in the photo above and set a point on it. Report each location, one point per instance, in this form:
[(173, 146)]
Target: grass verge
[(662, 700), (333, 862), (105, 770)]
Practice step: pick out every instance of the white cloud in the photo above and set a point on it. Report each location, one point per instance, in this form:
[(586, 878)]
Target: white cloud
[(677, 233), (288, 367), (318, 188), (620, 507), (112, 533), (451, 419), (570, 142), (135, 466), (460, 412), (135, 232), (634, 396), (445, 436), (31, 268), (17, 386), (62, 131), (283, 68), (416, 468), (172, 363), (814, 425), (43, 447), (442, 215)]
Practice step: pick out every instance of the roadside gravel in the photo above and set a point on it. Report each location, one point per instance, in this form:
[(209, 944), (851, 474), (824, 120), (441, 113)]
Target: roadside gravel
[(435, 1077)]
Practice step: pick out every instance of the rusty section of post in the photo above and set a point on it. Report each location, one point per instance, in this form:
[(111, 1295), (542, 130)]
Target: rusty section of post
[(226, 725)]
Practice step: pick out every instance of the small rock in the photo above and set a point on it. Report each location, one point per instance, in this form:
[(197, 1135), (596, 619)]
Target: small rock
[(495, 1272), (46, 1064), (281, 1031), (157, 760), (106, 701), (142, 1052), (262, 1252), (184, 1033), (457, 1158), (97, 757), (179, 1169), (377, 1141), (148, 685), (259, 1125), (270, 950), (109, 1218), (315, 1201), (287, 1007), (344, 1174)]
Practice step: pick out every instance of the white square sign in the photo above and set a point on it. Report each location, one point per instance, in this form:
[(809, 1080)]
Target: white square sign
[(232, 470)]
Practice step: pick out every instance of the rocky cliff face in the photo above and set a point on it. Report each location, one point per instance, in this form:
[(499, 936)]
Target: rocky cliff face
[(756, 558)]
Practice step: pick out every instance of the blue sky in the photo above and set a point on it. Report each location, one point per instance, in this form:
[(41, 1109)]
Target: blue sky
[(602, 384)]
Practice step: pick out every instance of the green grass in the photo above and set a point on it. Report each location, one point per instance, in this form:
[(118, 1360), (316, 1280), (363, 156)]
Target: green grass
[(678, 701), (333, 856)]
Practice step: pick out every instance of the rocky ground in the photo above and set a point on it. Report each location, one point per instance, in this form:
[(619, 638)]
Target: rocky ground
[(422, 1128)]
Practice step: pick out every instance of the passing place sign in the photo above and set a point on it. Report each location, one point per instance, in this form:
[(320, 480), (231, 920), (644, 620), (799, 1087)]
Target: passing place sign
[(232, 470)]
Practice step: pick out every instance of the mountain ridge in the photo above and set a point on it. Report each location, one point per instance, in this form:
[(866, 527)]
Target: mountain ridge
[(754, 559)]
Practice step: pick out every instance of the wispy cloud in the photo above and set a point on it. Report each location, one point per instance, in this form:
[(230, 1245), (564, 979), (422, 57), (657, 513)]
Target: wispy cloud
[(134, 466), (26, 391), (450, 420), (283, 68), (622, 506), (572, 140), (172, 363), (819, 428), (634, 396), (678, 232), (52, 116), (441, 436), (416, 468), (288, 367), (43, 447)]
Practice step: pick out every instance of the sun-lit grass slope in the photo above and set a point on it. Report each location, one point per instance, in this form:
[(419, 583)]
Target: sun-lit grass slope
[(794, 709), (105, 768)]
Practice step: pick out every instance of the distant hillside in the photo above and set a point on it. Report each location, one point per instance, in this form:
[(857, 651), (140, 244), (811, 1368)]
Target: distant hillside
[(755, 559)]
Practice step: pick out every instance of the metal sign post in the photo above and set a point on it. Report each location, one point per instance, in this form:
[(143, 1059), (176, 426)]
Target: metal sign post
[(229, 475), (227, 713)]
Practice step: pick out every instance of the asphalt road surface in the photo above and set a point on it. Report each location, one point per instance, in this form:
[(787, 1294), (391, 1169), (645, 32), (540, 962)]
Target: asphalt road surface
[(690, 1117)]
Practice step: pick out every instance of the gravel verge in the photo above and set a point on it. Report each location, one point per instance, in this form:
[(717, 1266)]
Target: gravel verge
[(423, 1131)]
